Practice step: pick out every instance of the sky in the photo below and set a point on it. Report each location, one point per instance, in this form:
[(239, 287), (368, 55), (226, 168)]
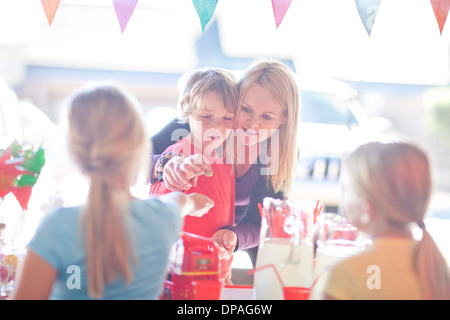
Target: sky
[(322, 36)]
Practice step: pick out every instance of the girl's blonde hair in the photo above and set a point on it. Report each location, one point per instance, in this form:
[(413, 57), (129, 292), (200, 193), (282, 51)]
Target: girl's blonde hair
[(395, 179), (108, 140), (278, 80), (195, 85)]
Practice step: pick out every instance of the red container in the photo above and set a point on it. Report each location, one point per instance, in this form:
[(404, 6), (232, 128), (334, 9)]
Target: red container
[(193, 270), (296, 293)]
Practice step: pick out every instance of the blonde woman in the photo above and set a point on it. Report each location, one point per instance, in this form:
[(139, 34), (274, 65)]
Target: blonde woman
[(265, 151), (386, 190), (115, 246)]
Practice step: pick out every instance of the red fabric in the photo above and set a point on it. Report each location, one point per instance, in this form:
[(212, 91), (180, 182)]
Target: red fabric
[(219, 187)]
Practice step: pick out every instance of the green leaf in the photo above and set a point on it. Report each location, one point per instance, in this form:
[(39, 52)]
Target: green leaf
[(26, 180), (34, 161), (15, 149)]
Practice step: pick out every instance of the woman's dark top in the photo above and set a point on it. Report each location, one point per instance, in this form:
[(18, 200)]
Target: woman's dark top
[(251, 188)]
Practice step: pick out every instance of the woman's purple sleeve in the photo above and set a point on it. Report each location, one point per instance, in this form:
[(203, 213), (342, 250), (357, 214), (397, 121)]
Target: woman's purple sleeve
[(248, 228)]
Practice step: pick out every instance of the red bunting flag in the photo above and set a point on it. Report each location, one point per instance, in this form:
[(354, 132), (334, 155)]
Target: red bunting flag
[(280, 7), (124, 11), (50, 7), (440, 8)]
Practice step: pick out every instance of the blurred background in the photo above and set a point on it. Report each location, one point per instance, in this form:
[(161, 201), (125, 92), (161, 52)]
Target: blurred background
[(398, 76)]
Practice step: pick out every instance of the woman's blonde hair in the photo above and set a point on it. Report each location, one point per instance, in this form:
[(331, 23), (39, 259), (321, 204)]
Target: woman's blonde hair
[(279, 81), (195, 85), (395, 179), (108, 141)]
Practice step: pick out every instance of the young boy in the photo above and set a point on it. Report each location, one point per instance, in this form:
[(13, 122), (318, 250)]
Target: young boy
[(208, 103)]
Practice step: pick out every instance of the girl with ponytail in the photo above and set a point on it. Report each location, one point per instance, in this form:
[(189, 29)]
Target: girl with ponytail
[(114, 246), (386, 192)]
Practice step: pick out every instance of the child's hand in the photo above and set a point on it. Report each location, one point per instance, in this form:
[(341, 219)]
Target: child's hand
[(182, 174), (200, 204), (173, 177)]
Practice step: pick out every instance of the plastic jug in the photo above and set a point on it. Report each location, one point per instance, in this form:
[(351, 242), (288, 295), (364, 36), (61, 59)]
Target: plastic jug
[(286, 244)]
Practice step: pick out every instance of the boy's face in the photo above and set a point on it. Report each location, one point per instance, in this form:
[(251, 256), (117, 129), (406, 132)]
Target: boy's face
[(210, 122)]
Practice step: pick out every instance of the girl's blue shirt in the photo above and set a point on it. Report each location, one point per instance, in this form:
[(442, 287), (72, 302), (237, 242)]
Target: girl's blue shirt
[(153, 225)]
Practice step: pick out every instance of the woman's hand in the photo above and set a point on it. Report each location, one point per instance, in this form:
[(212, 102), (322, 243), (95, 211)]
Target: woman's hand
[(182, 173), (226, 241)]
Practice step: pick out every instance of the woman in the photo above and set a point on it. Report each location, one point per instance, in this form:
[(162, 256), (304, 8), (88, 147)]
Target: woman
[(265, 156)]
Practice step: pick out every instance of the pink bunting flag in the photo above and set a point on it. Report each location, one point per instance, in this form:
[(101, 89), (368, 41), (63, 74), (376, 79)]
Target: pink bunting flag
[(124, 11), (280, 7), (50, 7), (441, 8)]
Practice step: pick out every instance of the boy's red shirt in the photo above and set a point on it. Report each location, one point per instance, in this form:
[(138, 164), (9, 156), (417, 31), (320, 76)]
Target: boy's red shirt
[(220, 187)]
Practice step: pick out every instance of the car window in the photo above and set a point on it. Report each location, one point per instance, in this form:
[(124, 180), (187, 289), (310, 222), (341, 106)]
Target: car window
[(319, 107)]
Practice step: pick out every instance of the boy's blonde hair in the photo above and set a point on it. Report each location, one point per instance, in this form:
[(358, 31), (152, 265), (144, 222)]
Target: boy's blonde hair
[(278, 80), (198, 83), (108, 141), (395, 179)]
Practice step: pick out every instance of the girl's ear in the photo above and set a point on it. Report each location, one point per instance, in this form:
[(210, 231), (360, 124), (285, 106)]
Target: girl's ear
[(367, 212)]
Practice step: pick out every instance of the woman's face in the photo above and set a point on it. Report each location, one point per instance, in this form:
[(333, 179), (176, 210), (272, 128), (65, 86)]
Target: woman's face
[(258, 116)]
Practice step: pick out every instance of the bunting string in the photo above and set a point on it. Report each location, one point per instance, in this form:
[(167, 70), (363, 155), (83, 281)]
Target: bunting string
[(367, 10)]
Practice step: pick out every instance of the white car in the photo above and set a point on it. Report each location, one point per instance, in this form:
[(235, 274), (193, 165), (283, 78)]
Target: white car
[(332, 122)]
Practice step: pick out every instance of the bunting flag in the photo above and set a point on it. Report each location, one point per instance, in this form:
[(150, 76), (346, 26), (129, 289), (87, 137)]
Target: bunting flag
[(205, 10), (440, 8), (50, 7), (124, 11), (280, 7), (368, 10)]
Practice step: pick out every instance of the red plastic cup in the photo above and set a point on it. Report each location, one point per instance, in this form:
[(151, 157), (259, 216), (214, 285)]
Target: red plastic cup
[(206, 289), (296, 293)]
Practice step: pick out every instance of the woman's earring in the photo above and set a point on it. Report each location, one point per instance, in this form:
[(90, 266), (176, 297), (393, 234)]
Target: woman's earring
[(364, 218)]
